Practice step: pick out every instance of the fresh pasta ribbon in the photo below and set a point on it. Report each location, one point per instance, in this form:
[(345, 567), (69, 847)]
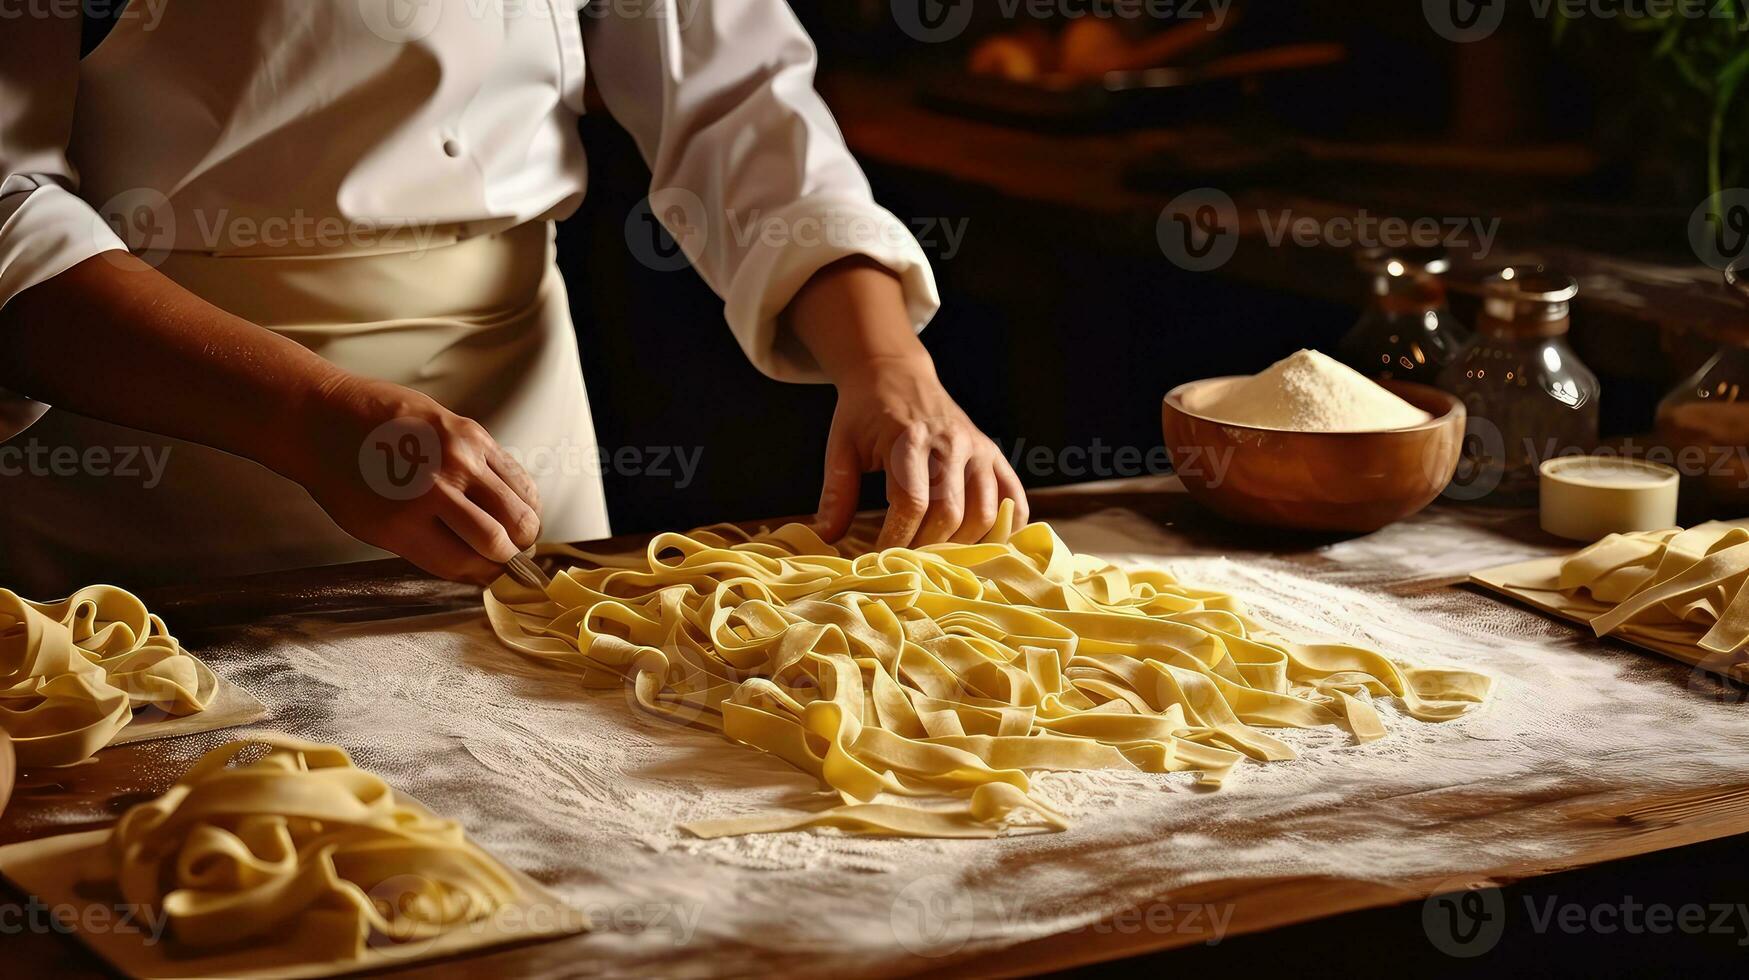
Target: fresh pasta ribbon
[(950, 673), (73, 672), (1679, 586), (298, 846)]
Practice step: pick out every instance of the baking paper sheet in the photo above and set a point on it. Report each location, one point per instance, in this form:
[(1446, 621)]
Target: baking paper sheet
[(231, 707)]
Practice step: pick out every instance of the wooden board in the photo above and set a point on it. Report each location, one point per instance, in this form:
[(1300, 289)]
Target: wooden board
[(1508, 580)]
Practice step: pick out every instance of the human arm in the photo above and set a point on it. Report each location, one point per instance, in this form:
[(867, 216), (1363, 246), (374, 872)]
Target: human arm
[(945, 478), (819, 282)]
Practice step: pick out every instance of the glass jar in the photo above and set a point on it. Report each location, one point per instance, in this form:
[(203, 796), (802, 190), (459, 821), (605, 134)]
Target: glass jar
[(1529, 397), (1407, 331), (1704, 420)]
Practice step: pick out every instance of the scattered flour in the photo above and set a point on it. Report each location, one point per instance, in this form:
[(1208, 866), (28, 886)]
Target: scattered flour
[(1311, 392)]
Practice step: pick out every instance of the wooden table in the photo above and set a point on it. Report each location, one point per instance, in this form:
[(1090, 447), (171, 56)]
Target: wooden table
[(1597, 827)]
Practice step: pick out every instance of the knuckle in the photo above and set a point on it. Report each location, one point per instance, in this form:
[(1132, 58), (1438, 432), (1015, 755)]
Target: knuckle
[(981, 512), (526, 530), (452, 489), (458, 457), (909, 504)]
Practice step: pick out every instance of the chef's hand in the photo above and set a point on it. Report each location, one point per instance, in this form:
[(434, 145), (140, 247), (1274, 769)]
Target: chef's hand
[(945, 479), (397, 470)]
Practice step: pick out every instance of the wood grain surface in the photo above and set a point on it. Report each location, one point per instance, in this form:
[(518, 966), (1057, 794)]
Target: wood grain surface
[(1589, 827)]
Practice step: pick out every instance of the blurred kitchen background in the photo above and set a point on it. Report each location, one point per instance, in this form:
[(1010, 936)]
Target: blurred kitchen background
[(1033, 145)]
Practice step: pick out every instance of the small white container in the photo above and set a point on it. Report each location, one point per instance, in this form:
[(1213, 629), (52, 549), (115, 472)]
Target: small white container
[(1586, 498)]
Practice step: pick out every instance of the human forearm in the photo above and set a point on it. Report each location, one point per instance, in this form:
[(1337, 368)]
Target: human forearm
[(114, 339), (851, 316)]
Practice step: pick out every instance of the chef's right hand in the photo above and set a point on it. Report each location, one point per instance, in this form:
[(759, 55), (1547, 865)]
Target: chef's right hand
[(397, 470)]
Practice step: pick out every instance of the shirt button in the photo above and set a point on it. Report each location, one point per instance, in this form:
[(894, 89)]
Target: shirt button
[(452, 148)]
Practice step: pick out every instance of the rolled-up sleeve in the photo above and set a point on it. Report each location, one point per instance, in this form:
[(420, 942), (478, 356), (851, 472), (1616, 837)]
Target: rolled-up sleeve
[(45, 228), (719, 95)]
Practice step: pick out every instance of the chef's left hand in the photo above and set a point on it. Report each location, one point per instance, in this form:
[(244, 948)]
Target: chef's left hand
[(945, 479)]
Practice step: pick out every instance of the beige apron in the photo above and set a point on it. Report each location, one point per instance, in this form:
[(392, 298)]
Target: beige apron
[(482, 325)]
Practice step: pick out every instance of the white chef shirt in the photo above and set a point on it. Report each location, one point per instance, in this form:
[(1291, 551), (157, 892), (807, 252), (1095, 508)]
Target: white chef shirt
[(231, 126)]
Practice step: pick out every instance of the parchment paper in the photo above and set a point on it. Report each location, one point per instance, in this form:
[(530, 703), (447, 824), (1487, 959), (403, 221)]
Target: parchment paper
[(231, 706)]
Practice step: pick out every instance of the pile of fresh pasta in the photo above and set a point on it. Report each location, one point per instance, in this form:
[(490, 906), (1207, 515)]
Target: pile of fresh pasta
[(73, 672), (927, 686), (299, 848), (1675, 585)]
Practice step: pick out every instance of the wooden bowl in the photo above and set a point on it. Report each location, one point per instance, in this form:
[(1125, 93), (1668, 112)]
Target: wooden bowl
[(1313, 481)]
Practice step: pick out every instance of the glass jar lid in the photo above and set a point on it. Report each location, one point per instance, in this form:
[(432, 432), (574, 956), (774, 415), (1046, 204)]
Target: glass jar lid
[(1533, 294)]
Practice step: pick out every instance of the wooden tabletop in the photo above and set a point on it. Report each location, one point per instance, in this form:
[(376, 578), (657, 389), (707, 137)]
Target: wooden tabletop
[(1595, 826)]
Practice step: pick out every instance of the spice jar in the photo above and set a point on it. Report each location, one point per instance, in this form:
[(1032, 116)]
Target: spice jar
[(1529, 397), (1407, 331), (1705, 418)]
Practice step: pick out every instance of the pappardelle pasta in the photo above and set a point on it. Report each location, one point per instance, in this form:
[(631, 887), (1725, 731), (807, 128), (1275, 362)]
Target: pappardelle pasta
[(925, 685), (73, 672)]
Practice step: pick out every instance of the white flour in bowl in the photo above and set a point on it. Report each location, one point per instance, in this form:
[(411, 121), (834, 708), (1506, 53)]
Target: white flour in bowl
[(1311, 392)]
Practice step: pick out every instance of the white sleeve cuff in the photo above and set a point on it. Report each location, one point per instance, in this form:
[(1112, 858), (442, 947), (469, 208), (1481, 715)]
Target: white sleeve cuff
[(789, 246), (45, 230)]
